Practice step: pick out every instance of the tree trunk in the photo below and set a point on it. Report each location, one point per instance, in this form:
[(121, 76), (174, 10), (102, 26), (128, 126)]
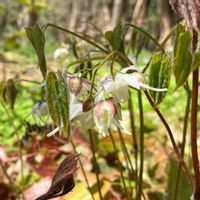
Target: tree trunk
[(165, 21), (75, 14), (119, 11), (107, 13), (141, 11)]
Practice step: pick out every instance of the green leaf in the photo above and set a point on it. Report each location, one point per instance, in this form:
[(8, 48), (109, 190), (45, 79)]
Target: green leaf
[(10, 92), (154, 72), (159, 76), (133, 40), (184, 189), (179, 29), (57, 98), (2, 88), (115, 38), (108, 36), (182, 58), (36, 36)]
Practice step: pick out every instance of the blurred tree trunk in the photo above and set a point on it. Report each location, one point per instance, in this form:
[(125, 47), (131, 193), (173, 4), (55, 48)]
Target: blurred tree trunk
[(119, 11), (165, 20), (107, 10), (75, 14), (86, 12), (140, 11), (3, 21)]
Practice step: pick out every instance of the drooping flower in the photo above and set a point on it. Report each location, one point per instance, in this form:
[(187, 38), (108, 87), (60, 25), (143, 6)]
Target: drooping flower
[(118, 86), (39, 111), (105, 113)]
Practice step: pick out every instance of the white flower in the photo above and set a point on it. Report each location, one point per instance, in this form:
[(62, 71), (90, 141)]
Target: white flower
[(87, 119), (39, 110), (60, 53), (118, 86), (105, 113)]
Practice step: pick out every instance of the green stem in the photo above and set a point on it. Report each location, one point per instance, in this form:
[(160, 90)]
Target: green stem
[(170, 134), (186, 117), (126, 153), (133, 133), (140, 183), (165, 40), (19, 145), (120, 165), (77, 35), (84, 174), (85, 60), (95, 165)]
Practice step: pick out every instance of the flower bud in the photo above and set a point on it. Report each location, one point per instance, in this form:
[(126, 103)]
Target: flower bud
[(88, 105), (104, 113), (75, 85)]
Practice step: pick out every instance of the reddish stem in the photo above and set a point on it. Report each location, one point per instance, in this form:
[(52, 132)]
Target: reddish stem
[(195, 159)]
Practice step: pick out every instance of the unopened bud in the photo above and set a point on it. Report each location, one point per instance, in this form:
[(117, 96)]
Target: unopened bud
[(75, 85), (88, 105), (104, 113)]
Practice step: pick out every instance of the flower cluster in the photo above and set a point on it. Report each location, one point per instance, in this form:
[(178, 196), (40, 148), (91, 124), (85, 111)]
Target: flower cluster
[(99, 105)]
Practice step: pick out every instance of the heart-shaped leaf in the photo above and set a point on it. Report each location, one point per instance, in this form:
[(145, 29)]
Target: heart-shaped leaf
[(159, 76), (57, 98), (115, 37), (10, 92), (36, 36), (182, 58)]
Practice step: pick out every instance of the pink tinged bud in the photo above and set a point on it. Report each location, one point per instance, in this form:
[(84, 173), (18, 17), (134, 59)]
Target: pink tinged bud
[(104, 113), (75, 85), (104, 106)]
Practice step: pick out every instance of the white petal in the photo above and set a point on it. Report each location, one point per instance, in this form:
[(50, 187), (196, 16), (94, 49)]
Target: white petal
[(74, 110), (119, 90), (103, 123), (152, 88), (132, 67), (131, 81), (39, 86), (87, 120), (53, 132)]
